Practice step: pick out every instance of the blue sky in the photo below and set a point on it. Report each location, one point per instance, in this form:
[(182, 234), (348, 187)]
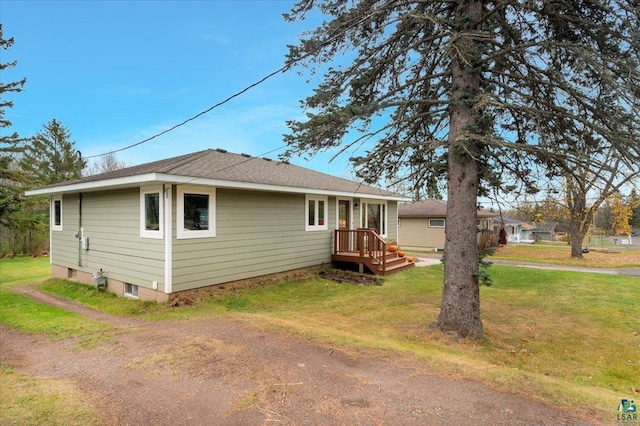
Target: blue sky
[(116, 72)]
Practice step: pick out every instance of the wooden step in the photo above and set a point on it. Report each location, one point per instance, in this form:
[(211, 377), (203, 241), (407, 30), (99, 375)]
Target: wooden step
[(390, 268)]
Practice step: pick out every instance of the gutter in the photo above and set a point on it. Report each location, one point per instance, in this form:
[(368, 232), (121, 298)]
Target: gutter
[(151, 178)]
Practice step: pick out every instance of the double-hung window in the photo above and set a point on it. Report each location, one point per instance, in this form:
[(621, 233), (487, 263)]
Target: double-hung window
[(151, 212), (374, 215), (196, 212), (56, 213), (316, 213)]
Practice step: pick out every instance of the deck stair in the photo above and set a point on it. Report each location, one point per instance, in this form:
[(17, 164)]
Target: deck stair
[(365, 247)]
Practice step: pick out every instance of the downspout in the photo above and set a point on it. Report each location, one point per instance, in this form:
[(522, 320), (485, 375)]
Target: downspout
[(168, 240), (51, 219), (80, 231)]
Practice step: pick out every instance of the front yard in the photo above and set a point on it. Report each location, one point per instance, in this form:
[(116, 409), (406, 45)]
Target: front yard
[(571, 339)]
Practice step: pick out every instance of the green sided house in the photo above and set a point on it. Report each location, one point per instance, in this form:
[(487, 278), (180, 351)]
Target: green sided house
[(210, 217)]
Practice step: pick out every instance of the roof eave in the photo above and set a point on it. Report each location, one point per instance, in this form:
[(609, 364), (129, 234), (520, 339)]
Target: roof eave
[(150, 178), (117, 183)]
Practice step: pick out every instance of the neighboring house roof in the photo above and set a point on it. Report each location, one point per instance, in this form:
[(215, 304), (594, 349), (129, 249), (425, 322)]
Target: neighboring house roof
[(545, 227), (432, 208), (217, 167), (509, 221)]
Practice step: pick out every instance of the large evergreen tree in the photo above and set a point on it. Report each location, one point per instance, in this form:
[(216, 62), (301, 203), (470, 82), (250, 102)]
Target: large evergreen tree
[(474, 91), (51, 156), (10, 176), (22, 229)]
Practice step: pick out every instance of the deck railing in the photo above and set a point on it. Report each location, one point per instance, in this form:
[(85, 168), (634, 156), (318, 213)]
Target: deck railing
[(365, 242)]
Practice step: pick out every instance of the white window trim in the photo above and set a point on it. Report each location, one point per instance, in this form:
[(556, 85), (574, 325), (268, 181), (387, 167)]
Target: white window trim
[(444, 223), (181, 232), (131, 295), (147, 233), (52, 214), (316, 198), (363, 208)]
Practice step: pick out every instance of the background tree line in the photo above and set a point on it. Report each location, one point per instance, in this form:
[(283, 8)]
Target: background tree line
[(618, 214), (48, 157)]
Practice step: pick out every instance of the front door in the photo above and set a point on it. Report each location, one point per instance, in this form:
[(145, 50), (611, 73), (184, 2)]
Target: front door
[(344, 224), (344, 214)]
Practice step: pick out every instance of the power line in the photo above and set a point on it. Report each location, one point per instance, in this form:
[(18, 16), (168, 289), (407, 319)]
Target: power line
[(287, 65), (268, 76)]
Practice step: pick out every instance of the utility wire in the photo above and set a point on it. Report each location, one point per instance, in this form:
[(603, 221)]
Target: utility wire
[(287, 65), (262, 80)]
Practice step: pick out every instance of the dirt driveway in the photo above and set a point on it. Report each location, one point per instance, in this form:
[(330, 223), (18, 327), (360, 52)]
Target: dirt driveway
[(223, 372)]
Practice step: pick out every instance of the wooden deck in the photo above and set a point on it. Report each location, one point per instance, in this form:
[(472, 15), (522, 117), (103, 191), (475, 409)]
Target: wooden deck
[(366, 248)]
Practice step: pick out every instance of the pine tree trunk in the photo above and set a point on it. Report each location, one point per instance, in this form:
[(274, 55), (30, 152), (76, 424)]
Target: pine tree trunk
[(460, 310)]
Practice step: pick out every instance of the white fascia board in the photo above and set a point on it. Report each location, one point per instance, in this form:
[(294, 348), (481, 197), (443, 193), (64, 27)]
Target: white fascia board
[(133, 181), (124, 182), (274, 188)]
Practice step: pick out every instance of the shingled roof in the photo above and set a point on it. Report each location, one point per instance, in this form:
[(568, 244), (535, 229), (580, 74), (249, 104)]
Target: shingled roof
[(432, 208), (224, 169)]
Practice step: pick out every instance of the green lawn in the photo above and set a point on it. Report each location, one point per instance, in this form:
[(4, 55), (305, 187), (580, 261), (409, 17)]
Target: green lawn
[(27, 400), (560, 254), (563, 337), (26, 315)]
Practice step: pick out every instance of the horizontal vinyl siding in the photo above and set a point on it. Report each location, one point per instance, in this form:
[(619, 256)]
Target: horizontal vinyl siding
[(414, 232), (257, 233), (64, 247), (392, 220), (111, 222)]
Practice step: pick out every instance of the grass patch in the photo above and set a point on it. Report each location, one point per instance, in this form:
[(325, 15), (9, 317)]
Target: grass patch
[(560, 254), (564, 337), (99, 299), (28, 316), (37, 401), (23, 270), (569, 338)]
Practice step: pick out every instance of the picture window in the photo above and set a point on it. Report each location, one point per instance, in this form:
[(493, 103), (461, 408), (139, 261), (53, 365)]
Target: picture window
[(196, 212), (374, 215)]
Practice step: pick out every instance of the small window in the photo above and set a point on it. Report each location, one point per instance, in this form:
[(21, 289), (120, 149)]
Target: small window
[(316, 213), (151, 212), (56, 213), (196, 212), (130, 290), (436, 223)]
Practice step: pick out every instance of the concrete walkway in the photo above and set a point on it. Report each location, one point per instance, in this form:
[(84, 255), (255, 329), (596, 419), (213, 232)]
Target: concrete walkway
[(434, 259)]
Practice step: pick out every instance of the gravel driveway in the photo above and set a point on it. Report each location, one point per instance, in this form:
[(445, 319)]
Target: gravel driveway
[(223, 372)]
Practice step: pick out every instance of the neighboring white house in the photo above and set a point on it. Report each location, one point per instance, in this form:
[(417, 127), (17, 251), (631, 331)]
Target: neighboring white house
[(513, 229), (202, 219)]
